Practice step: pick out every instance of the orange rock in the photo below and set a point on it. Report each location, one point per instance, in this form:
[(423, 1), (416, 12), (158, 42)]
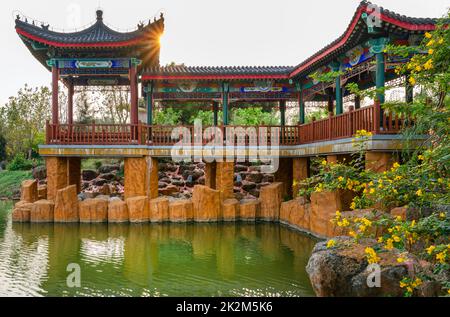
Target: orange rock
[(225, 179), (141, 177), (105, 190), (118, 211), (207, 203), (296, 213), (94, 210), (181, 211), (400, 212), (271, 197), (56, 175), (42, 211), (42, 192), (29, 191), (379, 162), (66, 205), (323, 208), (159, 209), (138, 209), (249, 210), (22, 212), (230, 210)]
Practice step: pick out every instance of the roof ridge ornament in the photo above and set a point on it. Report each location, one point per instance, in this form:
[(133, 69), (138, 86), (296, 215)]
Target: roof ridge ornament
[(99, 15)]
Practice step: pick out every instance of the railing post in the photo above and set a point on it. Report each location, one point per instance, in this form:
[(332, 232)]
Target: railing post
[(330, 125), (313, 121), (352, 124), (47, 132), (139, 133), (93, 132), (376, 117)]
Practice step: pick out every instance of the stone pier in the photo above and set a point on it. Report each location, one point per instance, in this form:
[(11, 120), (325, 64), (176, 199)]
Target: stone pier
[(300, 171), (141, 177), (62, 172), (285, 175), (220, 176), (379, 162)]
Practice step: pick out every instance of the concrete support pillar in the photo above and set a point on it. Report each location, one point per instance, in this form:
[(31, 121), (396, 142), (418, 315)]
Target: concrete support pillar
[(300, 171), (220, 176), (141, 177), (379, 162), (225, 179), (56, 175), (284, 175), (74, 172), (339, 158), (210, 175)]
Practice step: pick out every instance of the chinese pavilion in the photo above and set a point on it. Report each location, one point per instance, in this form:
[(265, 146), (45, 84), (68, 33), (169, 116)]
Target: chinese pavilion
[(99, 56)]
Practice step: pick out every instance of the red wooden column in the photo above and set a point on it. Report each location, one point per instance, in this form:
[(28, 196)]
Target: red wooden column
[(134, 114), (70, 104), (55, 107)]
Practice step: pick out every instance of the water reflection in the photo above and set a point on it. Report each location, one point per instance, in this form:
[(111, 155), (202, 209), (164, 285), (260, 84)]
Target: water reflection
[(154, 260)]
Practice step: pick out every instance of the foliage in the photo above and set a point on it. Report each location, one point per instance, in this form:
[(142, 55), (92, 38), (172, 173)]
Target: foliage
[(167, 116), (421, 183), (2, 147), (318, 114), (253, 116), (10, 182), (22, 120), (20, 163)]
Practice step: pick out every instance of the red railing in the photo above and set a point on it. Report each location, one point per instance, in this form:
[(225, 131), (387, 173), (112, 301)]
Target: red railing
[(331, 128)]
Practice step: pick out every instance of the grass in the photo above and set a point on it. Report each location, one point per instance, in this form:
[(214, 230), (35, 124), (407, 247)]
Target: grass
[(10, 182), (94, 164)]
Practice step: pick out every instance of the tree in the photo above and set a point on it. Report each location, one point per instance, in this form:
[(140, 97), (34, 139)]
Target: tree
[(23, 120)]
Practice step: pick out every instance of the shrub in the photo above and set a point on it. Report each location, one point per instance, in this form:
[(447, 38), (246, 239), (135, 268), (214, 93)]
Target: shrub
[(20, 163)]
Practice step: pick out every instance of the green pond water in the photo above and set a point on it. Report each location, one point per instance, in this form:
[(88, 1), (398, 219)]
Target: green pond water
[(152, 260)]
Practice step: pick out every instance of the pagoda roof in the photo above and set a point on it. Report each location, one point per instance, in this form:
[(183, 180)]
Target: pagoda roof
[(181, 72), (97, 35), (357, 33)]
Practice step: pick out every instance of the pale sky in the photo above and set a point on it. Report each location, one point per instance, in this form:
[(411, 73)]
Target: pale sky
[(198, 32)]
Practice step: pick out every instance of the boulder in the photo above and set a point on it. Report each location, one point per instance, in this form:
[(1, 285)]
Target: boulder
[(296, 213), (93, 210), (105, 190), (42, 192), (108, 176), (42, 211), (240, 168), (159, 209), (29, 191), (254, 177), (248, 186), (118, 211), (39, 172), (106, 169), (181, 211), (66, 205), (271, 199), (169, 190), (249, 209), (99, 182), (22, 212), (230, 210), (88, 175), (207, 203), (138, 209), (342, 271)]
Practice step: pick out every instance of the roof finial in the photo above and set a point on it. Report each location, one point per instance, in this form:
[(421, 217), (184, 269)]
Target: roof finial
[(99, 15)]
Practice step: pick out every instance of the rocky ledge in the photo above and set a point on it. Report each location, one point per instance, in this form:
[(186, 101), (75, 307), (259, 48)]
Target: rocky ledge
[(343, 271)]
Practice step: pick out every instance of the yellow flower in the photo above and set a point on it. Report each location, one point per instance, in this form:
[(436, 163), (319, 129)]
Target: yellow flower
[(440, 180), (400, 260), (441, 257), (428, 35), (396, 165), (353, 206), (448, 291), (419, 193), (372, 190), (396, 238), (331, 243), (380, 240), (430, 249), (431, 42), (398, 177), (430, 51), (403, 284), (324, 162), (409, 289), (338, 213), (428, 65), (418, 68), (442, 215), (345, 223), (398, 218), (352, 234), (412, 81), (441, 40), (371, 255), (421, 157), (340, 178), (389, 244)]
